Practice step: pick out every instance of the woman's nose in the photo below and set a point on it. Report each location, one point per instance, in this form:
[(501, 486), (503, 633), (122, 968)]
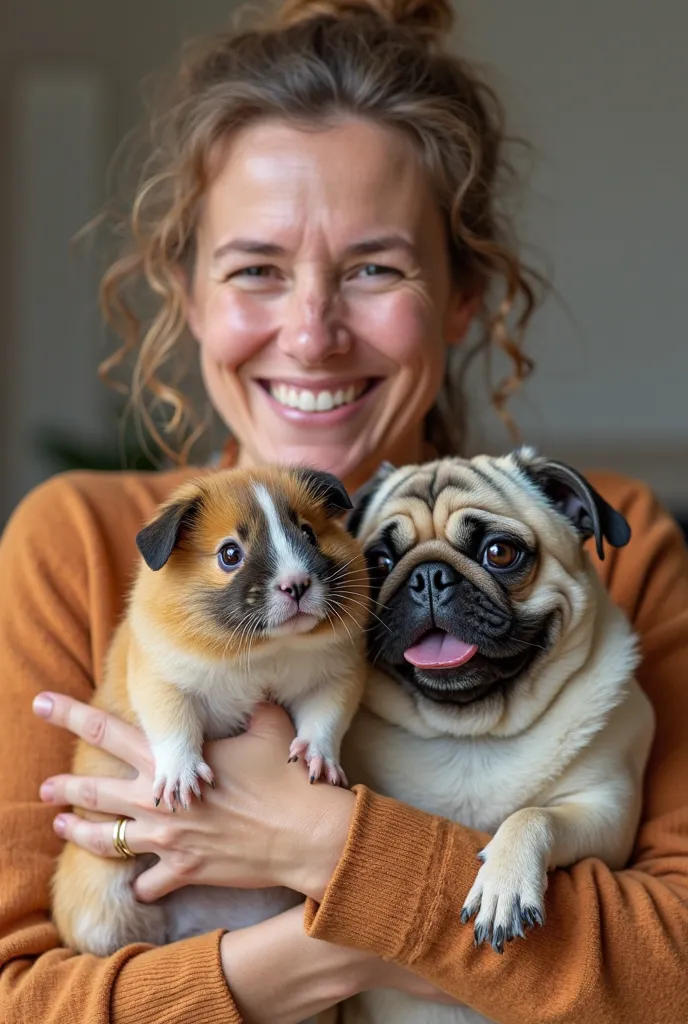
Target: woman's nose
[(311, 330)]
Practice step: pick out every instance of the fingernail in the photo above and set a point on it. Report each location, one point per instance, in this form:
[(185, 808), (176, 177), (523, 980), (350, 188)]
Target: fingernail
[(47, 792), (60, 825), (43, 705)]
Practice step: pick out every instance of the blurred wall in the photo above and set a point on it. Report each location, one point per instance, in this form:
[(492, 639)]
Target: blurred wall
[(600, 87)]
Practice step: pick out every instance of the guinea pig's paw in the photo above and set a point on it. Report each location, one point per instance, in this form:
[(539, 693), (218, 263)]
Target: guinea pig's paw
[(178, 777), (508, 893), (321, 763)]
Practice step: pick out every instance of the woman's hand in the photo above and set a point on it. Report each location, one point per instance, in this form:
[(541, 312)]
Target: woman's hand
[(263, 825)]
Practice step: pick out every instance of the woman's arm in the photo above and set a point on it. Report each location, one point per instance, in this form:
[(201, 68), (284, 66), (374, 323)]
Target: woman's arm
[(279, 975), (614, 946)]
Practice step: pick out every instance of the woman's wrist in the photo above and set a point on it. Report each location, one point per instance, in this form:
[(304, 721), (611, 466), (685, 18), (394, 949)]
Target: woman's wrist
[(278, 975), (322, 836)]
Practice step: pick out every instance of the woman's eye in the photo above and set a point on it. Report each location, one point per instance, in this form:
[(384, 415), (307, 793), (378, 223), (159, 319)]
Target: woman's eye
[(230, 556), (256, 271), (376, 270), (309, 532), (500, 554), (259, 273)]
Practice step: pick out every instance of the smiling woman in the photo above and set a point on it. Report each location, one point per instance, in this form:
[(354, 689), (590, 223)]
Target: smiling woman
[(328, 306)]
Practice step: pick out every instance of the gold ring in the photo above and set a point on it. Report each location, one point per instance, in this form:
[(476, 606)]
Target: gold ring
[(119, 840)]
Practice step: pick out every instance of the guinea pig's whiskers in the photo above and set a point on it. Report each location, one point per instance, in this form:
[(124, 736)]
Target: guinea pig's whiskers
[(347, 595), (342, 568), (236, 630), (254, 627), (333, 609)]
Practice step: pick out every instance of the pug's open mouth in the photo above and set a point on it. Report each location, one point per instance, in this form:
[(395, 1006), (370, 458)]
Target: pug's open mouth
[(446, 669), (439, 649)]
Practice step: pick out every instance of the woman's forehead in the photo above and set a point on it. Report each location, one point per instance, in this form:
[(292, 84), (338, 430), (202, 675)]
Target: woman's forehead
[(349, 179)]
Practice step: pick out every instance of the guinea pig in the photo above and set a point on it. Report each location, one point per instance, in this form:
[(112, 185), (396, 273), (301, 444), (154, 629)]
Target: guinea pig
[(249, 588)]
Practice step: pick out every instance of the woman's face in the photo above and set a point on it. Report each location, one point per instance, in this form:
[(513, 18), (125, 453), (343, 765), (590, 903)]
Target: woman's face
[(321, 298)]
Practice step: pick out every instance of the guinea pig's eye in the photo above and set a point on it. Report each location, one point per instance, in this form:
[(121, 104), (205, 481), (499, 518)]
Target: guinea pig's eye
[(230, 556), (309, 532), (500, 554)]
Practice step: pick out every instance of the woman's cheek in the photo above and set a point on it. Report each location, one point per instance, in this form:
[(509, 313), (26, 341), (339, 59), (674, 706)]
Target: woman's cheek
[(238, 326), (402, 326)]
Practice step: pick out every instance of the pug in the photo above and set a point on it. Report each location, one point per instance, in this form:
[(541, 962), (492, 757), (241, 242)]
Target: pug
[(503, 695)]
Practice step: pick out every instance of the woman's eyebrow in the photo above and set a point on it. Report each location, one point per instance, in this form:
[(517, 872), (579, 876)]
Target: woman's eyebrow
[(250, 247), (367, 247), (382, 244)]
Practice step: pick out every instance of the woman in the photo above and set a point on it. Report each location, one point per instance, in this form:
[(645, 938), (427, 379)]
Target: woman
[(322, 218)]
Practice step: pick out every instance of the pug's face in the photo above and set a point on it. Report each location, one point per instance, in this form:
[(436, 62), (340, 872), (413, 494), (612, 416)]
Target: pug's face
[(478, 571)]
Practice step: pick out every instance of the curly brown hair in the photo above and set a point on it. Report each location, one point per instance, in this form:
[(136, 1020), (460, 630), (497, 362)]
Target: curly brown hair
[(310, 61)]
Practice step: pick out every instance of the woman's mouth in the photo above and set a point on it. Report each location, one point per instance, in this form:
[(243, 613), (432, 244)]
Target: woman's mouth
[(329, 401)]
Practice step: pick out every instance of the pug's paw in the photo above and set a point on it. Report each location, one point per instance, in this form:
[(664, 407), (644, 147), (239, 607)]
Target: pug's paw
[(507, 896), (321, 763), (178, 775)]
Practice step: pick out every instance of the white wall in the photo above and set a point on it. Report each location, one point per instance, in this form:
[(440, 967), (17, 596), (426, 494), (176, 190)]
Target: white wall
[(599, 86)]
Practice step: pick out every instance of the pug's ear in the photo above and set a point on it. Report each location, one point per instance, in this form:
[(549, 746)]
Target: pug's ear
[(573, 496), (364, 496), (157, 540), (326, 488)]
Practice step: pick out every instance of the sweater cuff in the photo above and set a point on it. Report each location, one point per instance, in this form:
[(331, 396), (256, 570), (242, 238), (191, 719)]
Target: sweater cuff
[(182, 983), (385, 889)]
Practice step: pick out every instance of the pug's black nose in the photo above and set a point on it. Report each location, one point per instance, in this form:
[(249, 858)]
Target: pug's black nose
[(433, 576)]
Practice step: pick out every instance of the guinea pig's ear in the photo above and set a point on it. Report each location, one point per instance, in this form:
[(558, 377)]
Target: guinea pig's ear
[(327, 488), (364, 496), (573, 496), (157, 540)]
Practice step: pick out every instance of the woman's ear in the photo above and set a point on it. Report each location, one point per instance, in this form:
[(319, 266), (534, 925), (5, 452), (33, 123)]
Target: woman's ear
[(462, 310)]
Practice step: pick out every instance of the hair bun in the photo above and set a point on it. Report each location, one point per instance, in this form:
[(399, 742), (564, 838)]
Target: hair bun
[(430, 20)]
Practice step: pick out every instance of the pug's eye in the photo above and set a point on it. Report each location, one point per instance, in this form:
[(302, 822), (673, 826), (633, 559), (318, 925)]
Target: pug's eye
[(309, 532), (500, 554), (380, 563), (384, 564), (230, 556)]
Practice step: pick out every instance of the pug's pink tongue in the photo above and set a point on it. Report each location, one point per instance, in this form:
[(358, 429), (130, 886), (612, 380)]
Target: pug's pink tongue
[(439, 650)]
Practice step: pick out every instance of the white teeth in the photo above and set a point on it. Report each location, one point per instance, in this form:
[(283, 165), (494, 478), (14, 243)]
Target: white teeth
[(312, 401)]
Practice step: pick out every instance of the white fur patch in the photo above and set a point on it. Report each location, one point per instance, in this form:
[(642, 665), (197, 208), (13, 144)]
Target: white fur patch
[(287, 560)]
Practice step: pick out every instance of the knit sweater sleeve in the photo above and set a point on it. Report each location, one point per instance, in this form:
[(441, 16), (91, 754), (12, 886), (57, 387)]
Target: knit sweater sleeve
[(615, 944), (52, 559)]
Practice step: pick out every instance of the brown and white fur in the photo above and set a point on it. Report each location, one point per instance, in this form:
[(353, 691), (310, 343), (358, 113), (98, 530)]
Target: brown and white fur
[(249, 589), (541, 738)]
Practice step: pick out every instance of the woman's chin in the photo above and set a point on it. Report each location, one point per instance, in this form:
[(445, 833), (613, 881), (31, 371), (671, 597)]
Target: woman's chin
[(342, 459)]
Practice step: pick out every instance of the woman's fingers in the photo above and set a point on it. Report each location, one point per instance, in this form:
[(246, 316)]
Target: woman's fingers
[(104, 794), (158, 881), (96, 727), (98, 836)]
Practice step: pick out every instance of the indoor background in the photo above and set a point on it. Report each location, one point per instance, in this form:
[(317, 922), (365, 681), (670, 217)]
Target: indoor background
[(600, 88)]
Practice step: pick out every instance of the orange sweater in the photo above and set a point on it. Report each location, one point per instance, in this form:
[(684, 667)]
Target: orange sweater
[(615, 945)]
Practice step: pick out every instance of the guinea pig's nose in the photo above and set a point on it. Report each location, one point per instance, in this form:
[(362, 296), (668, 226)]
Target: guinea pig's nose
[(295, 586)]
